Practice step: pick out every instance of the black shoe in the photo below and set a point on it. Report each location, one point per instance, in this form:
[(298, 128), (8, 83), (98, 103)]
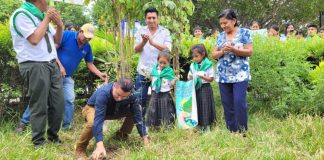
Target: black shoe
[(56, 141), (39, 144), (244, 135)]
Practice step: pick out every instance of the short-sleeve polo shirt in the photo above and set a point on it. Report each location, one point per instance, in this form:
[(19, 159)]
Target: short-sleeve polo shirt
[(70, 54), (24, 49)]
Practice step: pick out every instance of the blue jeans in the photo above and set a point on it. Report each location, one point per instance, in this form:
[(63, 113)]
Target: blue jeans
[(233, 96), (69, 97), (25, 119), (141, 86)]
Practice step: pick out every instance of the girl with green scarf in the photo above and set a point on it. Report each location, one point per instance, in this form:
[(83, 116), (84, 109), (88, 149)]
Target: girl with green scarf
[(161, 107), (202, 72)]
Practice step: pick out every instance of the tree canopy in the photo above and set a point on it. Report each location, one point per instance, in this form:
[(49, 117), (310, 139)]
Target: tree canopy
[(298, 12), (72, 13), (7, 7)]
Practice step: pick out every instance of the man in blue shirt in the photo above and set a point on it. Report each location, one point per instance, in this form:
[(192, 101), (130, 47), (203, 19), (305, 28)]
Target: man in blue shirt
[(111, 101), (73, 48)]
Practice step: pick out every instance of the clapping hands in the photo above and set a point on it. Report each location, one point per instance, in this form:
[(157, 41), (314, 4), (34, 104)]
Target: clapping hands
[(228, 48), (147, 38), (54, 16)]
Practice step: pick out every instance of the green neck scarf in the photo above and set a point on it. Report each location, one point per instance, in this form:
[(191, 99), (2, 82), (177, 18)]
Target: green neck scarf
[(204, 65), (33, 10), (166, 73)]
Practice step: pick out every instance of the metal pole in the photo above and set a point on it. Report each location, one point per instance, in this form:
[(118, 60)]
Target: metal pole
[(321, 17)]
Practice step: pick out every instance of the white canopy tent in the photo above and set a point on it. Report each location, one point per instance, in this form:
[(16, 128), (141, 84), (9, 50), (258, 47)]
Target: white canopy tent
[(79, 2)]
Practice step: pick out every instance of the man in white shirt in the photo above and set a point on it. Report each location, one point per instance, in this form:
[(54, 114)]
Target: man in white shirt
[(33, 40), (149, 41)]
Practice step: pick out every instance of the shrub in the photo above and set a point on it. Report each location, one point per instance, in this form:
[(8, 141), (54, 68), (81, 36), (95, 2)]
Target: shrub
[(10, 80), (280, 78), (315, 48)]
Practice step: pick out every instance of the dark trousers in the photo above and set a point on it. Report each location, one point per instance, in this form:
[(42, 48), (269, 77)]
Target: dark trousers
[(141, 86), (233, 96), (45, 88)]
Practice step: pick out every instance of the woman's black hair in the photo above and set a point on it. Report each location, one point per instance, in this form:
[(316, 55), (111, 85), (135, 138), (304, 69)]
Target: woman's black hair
[(274, 27), (257, 22), (229, 14), (286, 26), (200, 48)]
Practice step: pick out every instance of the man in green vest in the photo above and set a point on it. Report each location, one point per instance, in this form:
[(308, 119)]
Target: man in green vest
[(33, 40)]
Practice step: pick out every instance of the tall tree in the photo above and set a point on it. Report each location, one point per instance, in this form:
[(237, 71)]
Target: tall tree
[(173, 15), (110, 15), (299, 12), (72, 13)]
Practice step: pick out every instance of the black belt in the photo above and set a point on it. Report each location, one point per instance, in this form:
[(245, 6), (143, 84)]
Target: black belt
[(51, 61)]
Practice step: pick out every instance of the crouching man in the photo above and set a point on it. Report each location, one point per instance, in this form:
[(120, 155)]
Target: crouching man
[(114, 100)]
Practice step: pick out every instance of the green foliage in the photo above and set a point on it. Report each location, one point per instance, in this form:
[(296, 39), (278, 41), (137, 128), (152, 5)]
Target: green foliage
[(5, 40), (101, 47), (188, 41), (317, 78), (280, 78), (315, 47), (173, 14), (10, 82), (72, 13), (267, 12), (104, 52), (316, 75), (105, 12), (109, 15), (69, 12), (7, 7)]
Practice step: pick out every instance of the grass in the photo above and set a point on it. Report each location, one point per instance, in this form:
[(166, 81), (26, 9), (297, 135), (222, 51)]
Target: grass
[(296, 137), (268, 138)]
